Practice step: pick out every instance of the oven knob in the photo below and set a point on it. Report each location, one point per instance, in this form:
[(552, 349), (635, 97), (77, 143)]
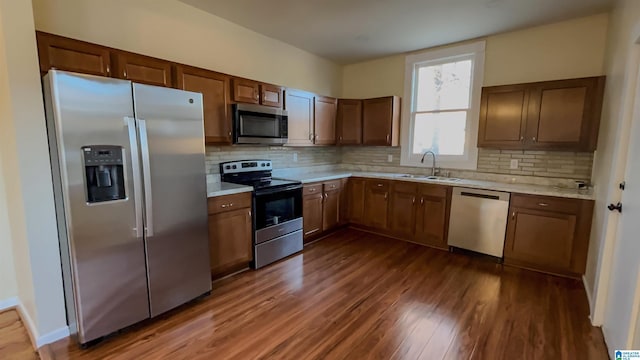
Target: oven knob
[(234, 167), (263, 164), (228, 167)]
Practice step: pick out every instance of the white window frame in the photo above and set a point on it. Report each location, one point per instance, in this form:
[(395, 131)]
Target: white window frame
[(468, 161)]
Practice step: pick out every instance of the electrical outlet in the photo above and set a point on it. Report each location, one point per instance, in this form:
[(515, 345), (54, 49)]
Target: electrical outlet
[(295, 157), (389, 158), (514, 163)]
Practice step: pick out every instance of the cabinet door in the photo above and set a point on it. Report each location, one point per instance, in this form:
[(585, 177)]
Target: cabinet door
[(381, 119), (376, 204), (431, 223), (299, 106), (312, 214), (143, 69), (331, 210), (57, 52), (503, 117), (271, 95), (356, 200), (402, 213), (564, 115), (214, 88), (325, 120), (246, 91), (349, 122), (540, 239), (344, 201), (230, 241)]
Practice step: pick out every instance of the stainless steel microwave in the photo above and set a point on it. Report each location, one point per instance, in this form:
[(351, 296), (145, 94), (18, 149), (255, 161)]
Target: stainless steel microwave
[(256, 124)]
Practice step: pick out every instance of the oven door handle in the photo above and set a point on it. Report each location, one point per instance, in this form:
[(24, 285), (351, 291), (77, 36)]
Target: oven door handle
[(277, 190)]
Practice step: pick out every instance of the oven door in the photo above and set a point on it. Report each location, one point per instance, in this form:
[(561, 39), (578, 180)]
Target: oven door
[(255, 124), (277, 212)]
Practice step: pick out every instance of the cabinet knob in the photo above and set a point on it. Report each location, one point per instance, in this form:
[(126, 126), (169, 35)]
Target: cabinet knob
[(413, 201), (521, 138), (380, 185), (543, 204), (125, 73), (513, 215), (388, 138), (229, 133), (422, 201), (386, 195), (108, 70), (534, 139)]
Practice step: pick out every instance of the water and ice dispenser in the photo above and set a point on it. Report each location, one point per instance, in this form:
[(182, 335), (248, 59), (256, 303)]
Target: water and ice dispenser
[(104, 173)]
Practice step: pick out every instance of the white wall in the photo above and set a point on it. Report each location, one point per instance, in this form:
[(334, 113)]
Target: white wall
[(568, 49), (8, 286), (171, 30), (27, 174), (610, 161)]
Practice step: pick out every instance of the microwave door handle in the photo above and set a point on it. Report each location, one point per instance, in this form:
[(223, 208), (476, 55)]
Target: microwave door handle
[(146, 175), (135, 166)]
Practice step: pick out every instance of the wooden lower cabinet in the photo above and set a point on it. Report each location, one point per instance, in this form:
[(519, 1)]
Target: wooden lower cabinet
[(344, 202), (402, 210), (548, 234), (312, 214), (432, 217), (356, 192), (322, 205), (376, 204), (230, 234)]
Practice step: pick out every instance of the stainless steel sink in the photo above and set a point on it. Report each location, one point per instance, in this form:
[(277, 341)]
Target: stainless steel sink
[(429, 177), (408, 176)]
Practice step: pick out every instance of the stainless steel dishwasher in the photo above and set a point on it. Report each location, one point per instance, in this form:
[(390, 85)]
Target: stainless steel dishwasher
[(478, 220)]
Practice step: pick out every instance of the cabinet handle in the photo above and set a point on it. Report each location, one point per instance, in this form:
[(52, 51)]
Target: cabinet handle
[(521, 138), (513, 215), (380, 185), (249, 213), (543, 204), (534, 139), (422, 201), (340, 138), (312, 189), (224, 206), (413, 201), (229, 133), (125, 73), (108, 70), (388, 137), (386, 195)]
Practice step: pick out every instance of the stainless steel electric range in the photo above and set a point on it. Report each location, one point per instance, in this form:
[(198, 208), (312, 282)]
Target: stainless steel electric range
[(277, 209)]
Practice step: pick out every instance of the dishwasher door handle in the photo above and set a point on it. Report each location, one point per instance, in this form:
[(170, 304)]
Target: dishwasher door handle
[(483, 196)]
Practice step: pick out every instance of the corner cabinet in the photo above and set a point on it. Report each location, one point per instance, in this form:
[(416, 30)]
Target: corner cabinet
[(230, 234), (550, 115), (548, 234), (216, 98), (381, 121), (322, 204)]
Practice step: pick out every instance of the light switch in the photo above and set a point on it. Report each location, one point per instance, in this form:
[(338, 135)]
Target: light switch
[(514, 163)]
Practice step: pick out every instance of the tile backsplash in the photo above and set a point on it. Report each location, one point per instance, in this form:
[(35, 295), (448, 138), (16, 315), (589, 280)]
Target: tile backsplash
[(532, 165)]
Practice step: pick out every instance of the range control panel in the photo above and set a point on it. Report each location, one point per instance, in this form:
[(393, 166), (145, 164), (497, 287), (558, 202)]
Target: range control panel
[(245, 166)]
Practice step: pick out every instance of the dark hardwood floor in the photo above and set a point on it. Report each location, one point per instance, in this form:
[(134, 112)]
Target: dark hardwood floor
[(360, 296)]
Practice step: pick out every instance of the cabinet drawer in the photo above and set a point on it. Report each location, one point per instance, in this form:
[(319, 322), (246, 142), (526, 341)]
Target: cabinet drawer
[(434, 190), (332, 185), (546, 203), (405, 187), (229, 202), (382, 185), (312, 189)]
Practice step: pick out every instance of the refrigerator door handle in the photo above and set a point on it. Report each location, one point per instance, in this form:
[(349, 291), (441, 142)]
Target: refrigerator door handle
[(146, 175), (135, 165)]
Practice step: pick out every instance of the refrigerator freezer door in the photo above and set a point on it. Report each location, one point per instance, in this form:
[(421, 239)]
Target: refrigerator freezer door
[(171, 130), (102, 249)]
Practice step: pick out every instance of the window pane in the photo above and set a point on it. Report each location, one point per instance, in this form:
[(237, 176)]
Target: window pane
[(444, 86), (442, 133)]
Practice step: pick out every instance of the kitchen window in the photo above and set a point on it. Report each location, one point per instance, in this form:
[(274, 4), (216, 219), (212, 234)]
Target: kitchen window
[(443, 87)]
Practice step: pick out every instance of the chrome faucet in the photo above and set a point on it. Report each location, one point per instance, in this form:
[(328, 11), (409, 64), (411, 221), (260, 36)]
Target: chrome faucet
[(433, 164)]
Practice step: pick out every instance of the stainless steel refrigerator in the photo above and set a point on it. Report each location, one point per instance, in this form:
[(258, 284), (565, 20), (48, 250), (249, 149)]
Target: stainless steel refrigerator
[(130, 189)]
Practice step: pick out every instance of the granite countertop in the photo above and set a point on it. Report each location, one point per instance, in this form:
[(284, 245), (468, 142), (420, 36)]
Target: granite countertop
[(313, 177), (223, 188)]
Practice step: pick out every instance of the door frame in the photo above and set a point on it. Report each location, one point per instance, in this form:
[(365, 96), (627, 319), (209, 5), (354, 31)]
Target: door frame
[(630, 110)]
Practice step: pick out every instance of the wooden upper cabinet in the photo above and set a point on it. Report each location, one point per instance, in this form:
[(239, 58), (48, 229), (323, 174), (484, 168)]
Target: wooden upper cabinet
[(215, 95), (503, 117), (550, 115), (300, 107), (381, 121), (143, 69), (325, 120), (565, 114), (349, 122), (57, 52), (271, 95), (245, 91)]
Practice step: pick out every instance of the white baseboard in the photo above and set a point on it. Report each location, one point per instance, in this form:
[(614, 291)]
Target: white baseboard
[(587, 290), (38, 340), (9, 303)]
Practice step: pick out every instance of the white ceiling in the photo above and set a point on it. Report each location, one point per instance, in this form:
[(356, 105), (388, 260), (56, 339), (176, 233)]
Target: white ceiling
[(348, 31)]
